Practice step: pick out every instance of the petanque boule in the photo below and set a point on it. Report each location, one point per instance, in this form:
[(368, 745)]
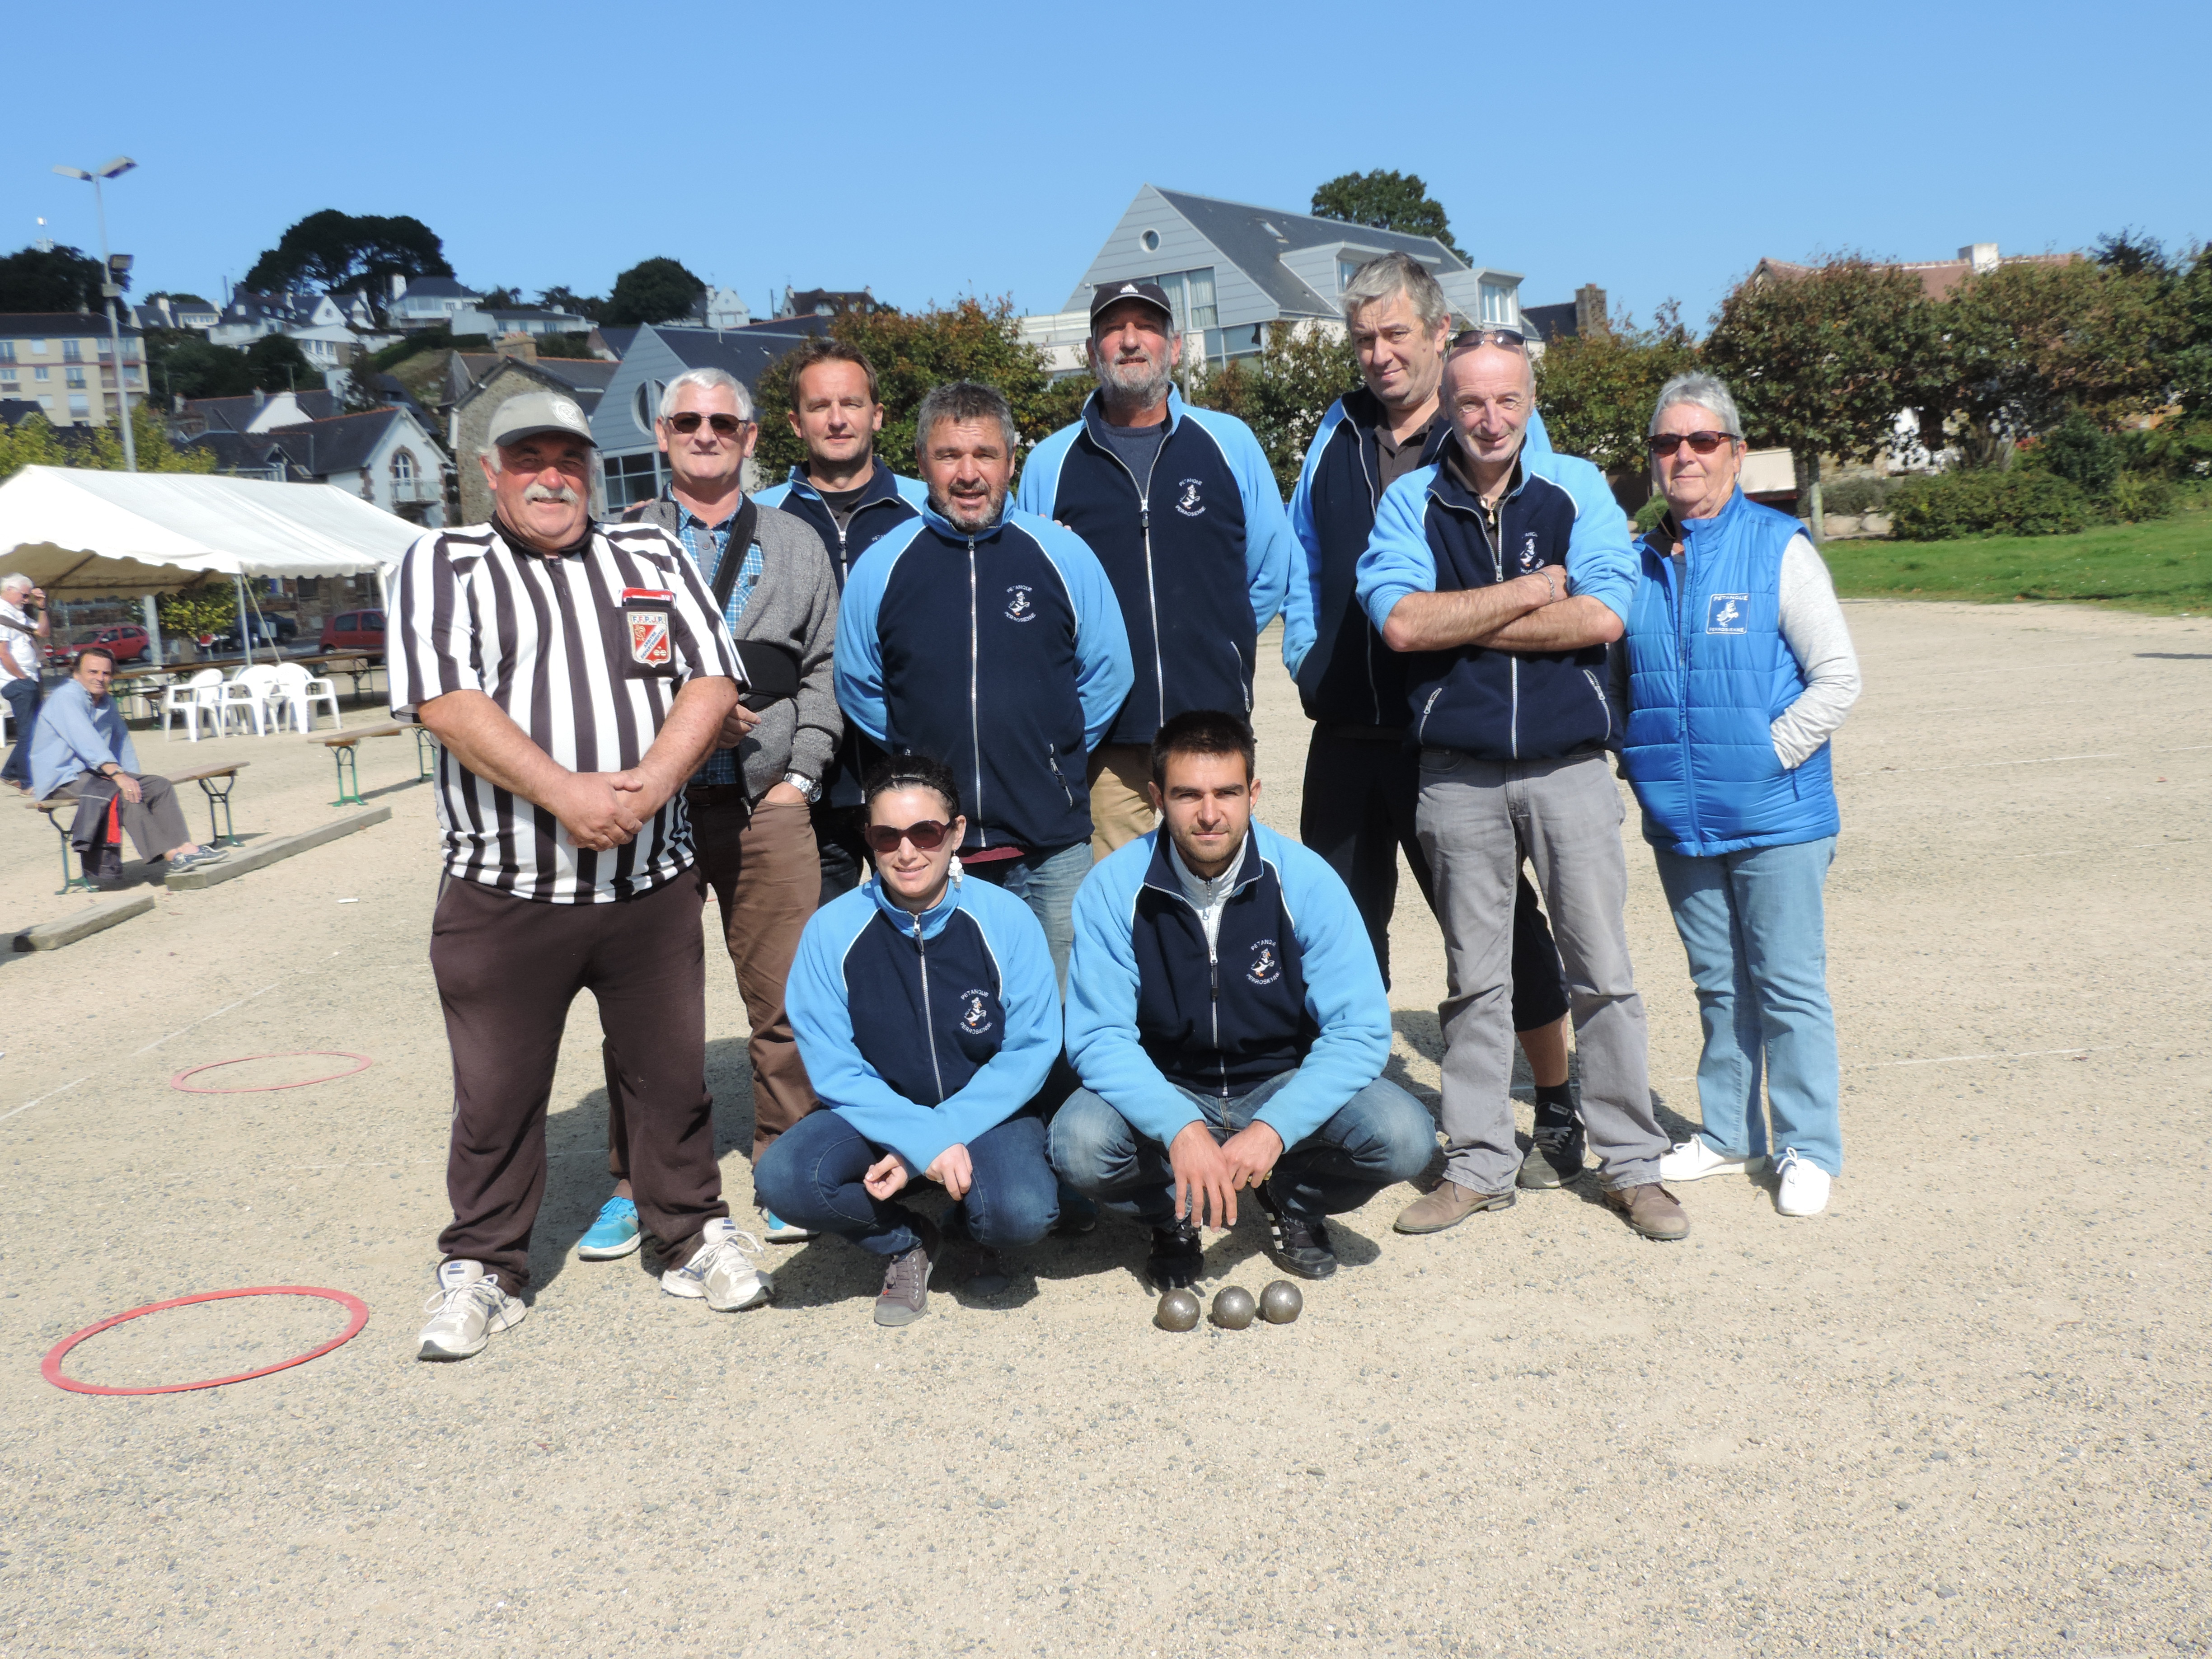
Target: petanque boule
[(1233, 1308), (1281, 1303), (1178, 1311)]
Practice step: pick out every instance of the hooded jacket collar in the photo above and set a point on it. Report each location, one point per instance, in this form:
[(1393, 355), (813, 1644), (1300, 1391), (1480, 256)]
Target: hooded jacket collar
[(932, 919), (1160, 872), (951, 532), (880, 484)]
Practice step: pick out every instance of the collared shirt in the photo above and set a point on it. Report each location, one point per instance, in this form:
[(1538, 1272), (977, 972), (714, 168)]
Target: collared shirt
[(1395, 459), (75, 735), (1207, 897), (589, 679), (695, 533), (22, 651)]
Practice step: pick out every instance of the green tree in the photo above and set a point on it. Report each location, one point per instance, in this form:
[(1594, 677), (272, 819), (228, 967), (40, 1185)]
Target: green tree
[(1597, 390), (2192, 312), (362, 394), (330, 250), (1822, 363), (180, 363), (51, 279), (207, 608), (2026, 343), (587, 306), (1385, 201), (1283, 393), (653, 291), (35, 443), (278, 364), (912, 352)]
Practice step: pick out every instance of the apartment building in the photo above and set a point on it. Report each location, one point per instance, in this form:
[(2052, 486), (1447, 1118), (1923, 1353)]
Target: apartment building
[(65, 362)]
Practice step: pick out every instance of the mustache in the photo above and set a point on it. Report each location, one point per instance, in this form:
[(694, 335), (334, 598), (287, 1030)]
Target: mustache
[(564, 494)]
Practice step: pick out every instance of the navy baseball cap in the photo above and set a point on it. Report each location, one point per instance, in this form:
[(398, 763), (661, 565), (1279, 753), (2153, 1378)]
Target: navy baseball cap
[(1111, 294)]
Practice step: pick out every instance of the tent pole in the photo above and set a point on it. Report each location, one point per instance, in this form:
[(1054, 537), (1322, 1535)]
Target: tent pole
[(245, 633), (153, 628)]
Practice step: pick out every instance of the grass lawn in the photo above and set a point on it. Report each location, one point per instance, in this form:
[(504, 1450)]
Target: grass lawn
[(2164, 565)]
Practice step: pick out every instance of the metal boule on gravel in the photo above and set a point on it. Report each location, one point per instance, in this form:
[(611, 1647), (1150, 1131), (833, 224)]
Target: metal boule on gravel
[(1281, 1303), (1233, 1308), (1178, 1311)]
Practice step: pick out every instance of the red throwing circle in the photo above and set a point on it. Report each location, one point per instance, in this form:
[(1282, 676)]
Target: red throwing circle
[(50, 1369), (178, 1081)]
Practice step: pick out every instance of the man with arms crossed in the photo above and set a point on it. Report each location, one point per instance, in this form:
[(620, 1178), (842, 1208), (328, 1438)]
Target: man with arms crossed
[(851, 500), (1363, 778), (749, 803), (574, 675), (1511, 567), (1229, 1023), (1181, 507)]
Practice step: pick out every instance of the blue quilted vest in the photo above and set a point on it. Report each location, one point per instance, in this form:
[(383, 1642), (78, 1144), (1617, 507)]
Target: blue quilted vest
[(1708, 671)]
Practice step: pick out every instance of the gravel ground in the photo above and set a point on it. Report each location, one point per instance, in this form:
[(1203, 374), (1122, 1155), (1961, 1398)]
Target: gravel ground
[(1964, 1411)]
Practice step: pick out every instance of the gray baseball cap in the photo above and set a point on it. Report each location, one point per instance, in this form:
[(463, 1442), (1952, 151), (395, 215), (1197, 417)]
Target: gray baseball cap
[(533, 412)]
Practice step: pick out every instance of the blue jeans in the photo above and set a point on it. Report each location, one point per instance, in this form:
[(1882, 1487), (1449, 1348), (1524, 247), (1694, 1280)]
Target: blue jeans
[(811, 1176), (22, 695), (1046, 882), (1753, 927), (1381, 1136)]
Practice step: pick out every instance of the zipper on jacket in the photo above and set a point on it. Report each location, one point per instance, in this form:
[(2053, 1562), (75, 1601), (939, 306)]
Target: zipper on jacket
[(1603, 701), (1052, 761), (975, 704), (1213, 969), (1374, 512), (1144, 520), (929, 1015), (1421, 730), (1682, 688)]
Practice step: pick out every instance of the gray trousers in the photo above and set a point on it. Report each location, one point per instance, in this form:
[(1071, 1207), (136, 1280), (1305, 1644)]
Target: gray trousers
[(1477, 819), (154, 822)]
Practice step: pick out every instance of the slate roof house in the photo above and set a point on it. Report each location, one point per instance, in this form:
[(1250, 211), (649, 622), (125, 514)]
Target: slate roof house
[(1230, 269), (386, 457), (426, 302)]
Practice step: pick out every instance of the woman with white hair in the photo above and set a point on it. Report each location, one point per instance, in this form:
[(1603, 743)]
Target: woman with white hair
[(1738, 668)]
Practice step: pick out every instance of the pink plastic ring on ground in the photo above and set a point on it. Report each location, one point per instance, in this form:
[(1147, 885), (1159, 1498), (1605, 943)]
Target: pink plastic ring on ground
[(50, 1369), (178, 1081)]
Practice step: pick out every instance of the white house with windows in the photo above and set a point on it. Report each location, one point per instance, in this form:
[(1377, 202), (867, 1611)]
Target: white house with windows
[(426, 302), (1230, 269), (386, 456), (65, 362)]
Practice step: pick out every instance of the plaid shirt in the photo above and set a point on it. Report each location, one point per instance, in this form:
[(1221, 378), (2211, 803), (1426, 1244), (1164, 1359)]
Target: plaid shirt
[(721, 766)]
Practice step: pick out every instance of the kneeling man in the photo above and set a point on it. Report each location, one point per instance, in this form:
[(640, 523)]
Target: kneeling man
[(1228, 1020), (927, 1013)]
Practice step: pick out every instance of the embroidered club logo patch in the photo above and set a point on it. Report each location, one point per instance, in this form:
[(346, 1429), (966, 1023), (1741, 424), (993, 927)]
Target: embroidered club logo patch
[(1530, 559), (648, 637), (1266, 966), (1187, 503), (975, 1012), (1019, 608), (1724, 612)]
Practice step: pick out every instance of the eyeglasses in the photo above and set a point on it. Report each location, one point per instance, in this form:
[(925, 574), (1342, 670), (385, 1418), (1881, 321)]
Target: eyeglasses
[(726, 426), (1701, 443), (926, 836), (1489, 336)]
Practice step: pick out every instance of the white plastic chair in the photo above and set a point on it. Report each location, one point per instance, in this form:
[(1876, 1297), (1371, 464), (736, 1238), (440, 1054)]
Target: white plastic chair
[(248, 693), (200, 696), (296, 693)]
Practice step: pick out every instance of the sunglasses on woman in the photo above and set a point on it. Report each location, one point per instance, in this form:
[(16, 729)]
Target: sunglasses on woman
[(726, 426), (926, 836), (1700, 443)]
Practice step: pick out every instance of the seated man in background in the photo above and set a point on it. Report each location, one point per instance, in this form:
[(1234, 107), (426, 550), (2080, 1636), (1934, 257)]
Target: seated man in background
[(81, 750), (1227, 1018), (959, 1022)]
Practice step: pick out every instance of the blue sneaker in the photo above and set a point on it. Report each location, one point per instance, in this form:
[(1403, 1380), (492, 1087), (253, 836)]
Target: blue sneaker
[(614, 1234), (777, 1231)]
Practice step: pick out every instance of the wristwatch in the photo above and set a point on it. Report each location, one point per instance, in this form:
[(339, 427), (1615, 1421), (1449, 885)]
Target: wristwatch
[(807, 787)]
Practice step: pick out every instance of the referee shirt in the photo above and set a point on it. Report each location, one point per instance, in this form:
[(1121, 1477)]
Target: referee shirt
[(585, 650)]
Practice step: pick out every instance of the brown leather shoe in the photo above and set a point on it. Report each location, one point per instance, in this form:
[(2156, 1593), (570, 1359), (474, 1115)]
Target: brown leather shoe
[(1651, 1210), (1449, 1205)]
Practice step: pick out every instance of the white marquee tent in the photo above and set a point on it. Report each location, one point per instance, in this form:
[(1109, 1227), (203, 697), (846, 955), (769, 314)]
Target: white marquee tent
[(83, 534)]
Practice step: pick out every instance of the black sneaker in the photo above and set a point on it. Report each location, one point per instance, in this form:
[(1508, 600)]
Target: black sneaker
[(1178, 1259), (1298, 1247), (905, 1296), (1555, 1155)]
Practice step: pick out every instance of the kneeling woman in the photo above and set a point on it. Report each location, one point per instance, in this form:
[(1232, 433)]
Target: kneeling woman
[(928, 1014)]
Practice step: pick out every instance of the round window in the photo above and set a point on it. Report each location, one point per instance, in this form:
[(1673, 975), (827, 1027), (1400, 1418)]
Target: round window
[(645, 404), (1151, 239)]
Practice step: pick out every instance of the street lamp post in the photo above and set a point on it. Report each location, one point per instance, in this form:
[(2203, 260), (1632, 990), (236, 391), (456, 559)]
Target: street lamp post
[(111, 290)]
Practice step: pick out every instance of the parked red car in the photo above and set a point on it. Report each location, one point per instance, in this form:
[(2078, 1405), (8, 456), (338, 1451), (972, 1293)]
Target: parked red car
[(354, 630), (128, 643)]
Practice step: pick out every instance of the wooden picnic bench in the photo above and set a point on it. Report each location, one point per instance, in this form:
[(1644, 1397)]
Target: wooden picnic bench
[(342, 744), (208, 777)]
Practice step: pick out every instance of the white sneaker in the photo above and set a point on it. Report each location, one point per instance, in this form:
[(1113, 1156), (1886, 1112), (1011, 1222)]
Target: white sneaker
[(718, 1270), (1693, 1160), (469, 1305), (1804, 1189)]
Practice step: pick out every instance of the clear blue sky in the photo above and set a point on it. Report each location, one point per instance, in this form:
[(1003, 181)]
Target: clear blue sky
[(1657, 149)]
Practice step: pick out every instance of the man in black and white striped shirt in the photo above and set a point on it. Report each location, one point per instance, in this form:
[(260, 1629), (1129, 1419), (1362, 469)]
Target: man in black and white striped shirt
[(574, 675)]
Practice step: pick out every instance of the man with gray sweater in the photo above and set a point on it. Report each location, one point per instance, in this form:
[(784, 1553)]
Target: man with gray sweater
[(750, 804)]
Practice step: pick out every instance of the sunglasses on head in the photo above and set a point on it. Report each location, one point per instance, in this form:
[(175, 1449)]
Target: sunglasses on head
[(1700, 443), (926, 836), (1489, 336), (726, 426)]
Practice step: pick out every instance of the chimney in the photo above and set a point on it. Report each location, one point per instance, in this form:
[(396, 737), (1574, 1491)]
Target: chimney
[(1981, 256), (521, 346), (1590, 310)]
